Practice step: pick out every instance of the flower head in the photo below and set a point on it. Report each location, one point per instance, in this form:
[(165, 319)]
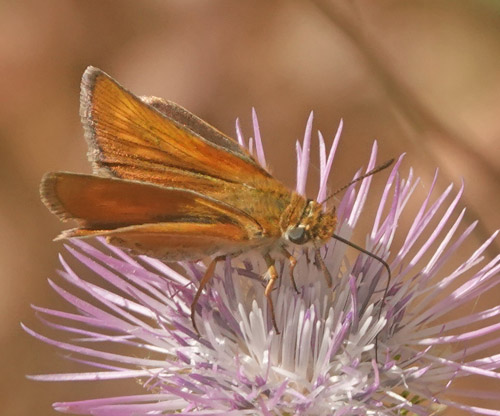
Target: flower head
[(342, 351)]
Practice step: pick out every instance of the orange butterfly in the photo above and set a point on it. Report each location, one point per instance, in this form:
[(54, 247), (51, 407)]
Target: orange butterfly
[(169, 185)]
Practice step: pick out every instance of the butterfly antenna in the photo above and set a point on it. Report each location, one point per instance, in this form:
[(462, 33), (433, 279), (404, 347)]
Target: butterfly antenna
[(384, 263), (377, 169)]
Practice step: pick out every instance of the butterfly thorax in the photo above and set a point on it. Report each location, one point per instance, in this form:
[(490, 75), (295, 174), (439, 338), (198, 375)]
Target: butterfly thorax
[(305, 220)]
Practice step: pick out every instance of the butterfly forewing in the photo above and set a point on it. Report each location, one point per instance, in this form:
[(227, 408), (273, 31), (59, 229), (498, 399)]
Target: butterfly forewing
[(146, 216), (125, 133), (100, 202)]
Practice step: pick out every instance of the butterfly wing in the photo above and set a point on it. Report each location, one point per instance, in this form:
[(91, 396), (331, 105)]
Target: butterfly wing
[(158, 142), (171, 223), (196, 125)]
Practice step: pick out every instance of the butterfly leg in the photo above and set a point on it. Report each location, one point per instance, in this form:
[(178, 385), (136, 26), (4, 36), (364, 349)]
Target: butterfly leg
[(273, 275), (293, 263), (203, 282), (322, 266), (308, 260)]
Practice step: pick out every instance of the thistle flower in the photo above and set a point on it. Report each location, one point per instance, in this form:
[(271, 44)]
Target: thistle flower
[(346, 351)]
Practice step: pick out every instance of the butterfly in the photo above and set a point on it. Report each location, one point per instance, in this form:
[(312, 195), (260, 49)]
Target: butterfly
[(167, 184)]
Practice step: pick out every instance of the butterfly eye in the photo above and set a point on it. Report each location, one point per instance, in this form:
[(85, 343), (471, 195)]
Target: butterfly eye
[(298, 235)]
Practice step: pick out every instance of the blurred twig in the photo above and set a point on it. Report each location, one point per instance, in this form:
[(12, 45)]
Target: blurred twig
[(409, 104)]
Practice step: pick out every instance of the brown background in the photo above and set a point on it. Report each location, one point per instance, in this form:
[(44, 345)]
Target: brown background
[(440, 103)]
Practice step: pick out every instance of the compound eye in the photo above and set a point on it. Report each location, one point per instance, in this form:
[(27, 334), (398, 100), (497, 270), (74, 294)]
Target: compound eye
[(298, 235)]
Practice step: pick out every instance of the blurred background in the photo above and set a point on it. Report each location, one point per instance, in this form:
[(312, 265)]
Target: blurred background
[(421, 77)]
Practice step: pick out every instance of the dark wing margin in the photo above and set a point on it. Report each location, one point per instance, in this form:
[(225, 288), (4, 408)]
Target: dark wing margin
[(192, 122)]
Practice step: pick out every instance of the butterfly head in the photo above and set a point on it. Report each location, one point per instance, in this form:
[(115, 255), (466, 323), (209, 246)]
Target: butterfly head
[(305, 221)]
